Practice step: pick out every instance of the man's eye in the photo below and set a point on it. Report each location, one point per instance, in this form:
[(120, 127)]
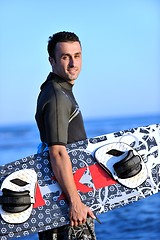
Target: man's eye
[(65, 57), (77, 56)]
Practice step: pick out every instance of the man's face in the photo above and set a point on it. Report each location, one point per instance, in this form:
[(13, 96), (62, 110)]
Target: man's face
[(68, 60)]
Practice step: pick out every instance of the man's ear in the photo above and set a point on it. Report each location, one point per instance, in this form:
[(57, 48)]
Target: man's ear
[(52, 61)]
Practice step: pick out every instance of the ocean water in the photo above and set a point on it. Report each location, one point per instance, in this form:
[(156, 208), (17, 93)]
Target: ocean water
[(140, 220)]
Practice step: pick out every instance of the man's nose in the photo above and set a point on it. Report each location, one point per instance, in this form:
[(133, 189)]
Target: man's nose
[(71, 62)]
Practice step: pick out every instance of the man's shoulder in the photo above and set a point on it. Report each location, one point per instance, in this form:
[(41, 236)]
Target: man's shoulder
[(53, 92)]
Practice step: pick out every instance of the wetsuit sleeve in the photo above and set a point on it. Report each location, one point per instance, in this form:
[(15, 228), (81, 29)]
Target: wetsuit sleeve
[(56, 119)]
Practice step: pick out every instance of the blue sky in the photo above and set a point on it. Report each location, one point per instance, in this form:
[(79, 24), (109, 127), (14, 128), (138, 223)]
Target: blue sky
[(120, 39)]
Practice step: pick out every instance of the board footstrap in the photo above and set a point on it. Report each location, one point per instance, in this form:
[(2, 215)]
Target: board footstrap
[(129, 166), (123, 163), (14, 202), (18, 196)]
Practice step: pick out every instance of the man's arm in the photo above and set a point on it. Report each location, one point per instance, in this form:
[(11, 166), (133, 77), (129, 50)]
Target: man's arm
[(62, 169)]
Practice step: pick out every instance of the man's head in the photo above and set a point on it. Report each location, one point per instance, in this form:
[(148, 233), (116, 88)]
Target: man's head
[(60, 37), (65, 55)]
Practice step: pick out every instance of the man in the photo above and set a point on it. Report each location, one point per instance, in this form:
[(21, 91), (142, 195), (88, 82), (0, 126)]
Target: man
[(60, 122)]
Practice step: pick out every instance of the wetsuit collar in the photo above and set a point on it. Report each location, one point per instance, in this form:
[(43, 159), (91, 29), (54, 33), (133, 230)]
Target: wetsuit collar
[(54, 77)]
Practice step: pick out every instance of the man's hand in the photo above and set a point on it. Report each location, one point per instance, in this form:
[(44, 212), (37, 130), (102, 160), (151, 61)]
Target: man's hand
[(79, 213)]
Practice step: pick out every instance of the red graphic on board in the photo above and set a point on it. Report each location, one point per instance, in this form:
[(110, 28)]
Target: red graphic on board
[(100, 178), (39, 199)]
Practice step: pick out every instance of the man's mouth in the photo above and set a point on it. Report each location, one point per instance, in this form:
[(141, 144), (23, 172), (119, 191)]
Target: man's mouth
[(72, 70)]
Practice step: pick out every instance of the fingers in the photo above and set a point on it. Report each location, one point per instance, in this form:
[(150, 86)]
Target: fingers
[(81, 217), (78, 220), (91, 214), (77, 223), (79, 213)]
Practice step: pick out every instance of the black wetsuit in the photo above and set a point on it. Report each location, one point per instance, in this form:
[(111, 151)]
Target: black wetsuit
[(58, 116)]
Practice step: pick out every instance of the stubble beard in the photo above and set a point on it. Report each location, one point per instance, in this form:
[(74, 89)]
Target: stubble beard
[(73, 77)]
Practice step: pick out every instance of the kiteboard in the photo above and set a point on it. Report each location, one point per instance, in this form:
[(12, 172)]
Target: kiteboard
[(110, 171)]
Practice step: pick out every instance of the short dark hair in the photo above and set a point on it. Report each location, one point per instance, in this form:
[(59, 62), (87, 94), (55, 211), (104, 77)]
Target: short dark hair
[(60, 37)]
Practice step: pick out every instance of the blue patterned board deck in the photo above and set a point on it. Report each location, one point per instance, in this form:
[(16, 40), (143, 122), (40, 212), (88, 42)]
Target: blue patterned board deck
[(96, 188)]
